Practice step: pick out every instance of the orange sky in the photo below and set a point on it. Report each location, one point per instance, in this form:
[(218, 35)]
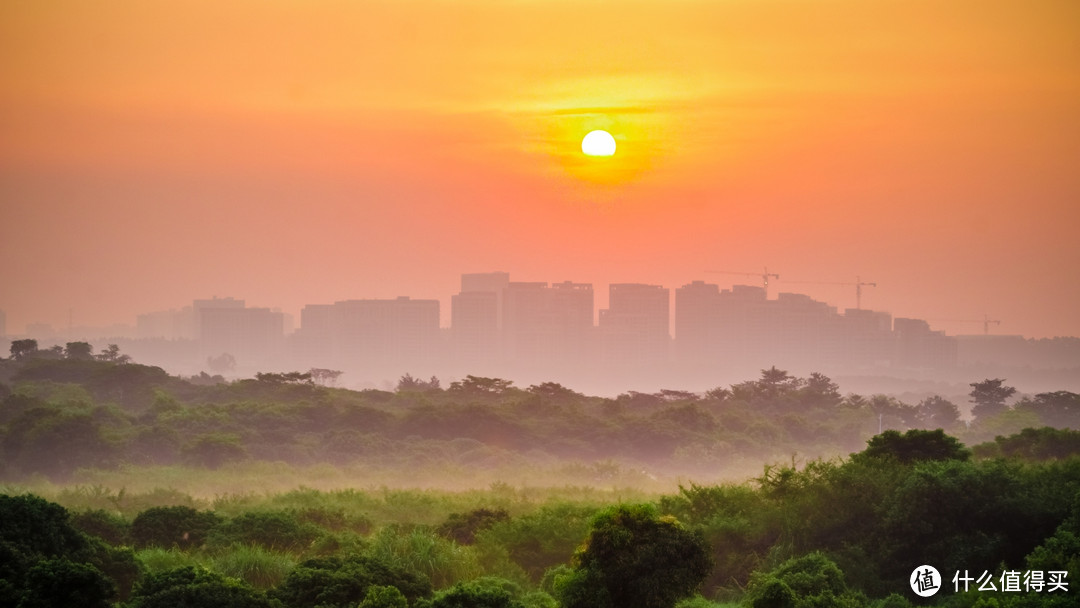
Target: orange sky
[(306, 151)]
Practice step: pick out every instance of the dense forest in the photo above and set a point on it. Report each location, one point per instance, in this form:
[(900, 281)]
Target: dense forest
[(116, 491)]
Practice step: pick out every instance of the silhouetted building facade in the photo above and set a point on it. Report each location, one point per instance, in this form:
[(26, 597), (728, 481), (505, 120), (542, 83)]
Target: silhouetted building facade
[(919, 347), (377, 334), (253, 336), (476, 318), (741, 329), (634, 327), (697, 338), (487, 282), (474, 326), (548, 326), (167, 324), (866, 340)]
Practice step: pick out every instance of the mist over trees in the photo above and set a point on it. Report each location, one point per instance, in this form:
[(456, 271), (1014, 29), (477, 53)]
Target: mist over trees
[(71, 409), (838, 516)]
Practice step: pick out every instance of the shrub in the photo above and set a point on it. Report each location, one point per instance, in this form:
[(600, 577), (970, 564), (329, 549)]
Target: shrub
[(462, 527), (633, 558), (179, 526), (915, 445), (482, 593), (342, 582), (110, 528), (60, 582), (118, 564), (803, 582), (37, 528), (190, 586), (384, 596), (272, 530)]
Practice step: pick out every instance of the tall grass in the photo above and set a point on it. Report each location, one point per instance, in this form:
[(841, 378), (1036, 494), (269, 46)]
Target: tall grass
[(259, 567), (156, 559), (423, 551)]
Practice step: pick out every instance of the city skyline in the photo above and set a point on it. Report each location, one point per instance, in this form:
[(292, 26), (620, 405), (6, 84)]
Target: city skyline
[(129, 328), (152, 152)]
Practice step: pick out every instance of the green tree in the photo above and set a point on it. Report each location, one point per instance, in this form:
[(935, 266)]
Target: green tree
[(111, 354), (634, 558), (553, 392), (1040, 444), (938, 413), (284, 378), (22, 349), (913, 446), (478, 385), (191, 587), (56, 442), (962, 513), (384, 596), (408, 383), (102, 524), (273, 530), (79, 351), (1059, 409), (177, 525), (335, 582), (44, 561), (463, 527), (820, 391), (36, 528), (989, 398), (809, 581), (60, 582), (486, 592)]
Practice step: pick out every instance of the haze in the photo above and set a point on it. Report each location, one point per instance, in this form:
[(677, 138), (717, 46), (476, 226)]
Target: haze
[(291, 153)]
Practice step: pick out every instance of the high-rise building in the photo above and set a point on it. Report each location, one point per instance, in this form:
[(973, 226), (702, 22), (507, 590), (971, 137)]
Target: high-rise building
[(377, 334), (867, 339), (474, 326), (476, 317), (918, 347), (697, 340), (547, 325), (168, 324), (801, 332), (253, 336), (314, 343), (634, 327), (215, 303), (487, 282), (3, 324)]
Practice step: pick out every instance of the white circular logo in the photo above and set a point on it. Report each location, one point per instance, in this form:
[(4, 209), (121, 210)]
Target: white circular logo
[(925, 581)]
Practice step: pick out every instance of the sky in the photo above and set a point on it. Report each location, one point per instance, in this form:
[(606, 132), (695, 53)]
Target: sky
[(289, 152)]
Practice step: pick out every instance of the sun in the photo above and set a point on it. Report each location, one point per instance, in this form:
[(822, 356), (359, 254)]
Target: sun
[(598, 143)]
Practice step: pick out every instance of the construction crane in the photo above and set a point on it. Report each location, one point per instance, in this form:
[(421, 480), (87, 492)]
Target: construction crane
[(986, 321), (764, 276), (859, 284)]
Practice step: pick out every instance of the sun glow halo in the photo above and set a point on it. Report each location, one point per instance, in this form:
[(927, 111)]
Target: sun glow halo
[(598, 143)]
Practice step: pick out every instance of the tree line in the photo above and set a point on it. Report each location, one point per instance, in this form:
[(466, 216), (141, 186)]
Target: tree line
[(65, 410)]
